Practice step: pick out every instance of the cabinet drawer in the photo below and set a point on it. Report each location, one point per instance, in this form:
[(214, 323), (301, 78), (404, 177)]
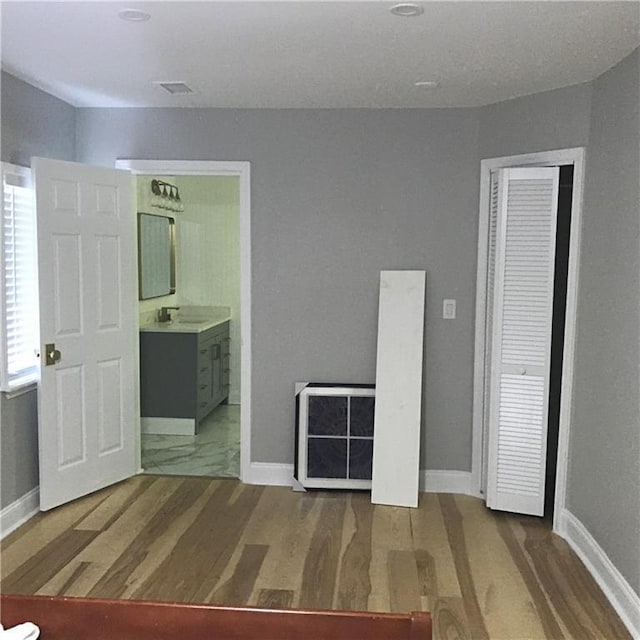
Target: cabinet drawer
[(204, 356), (205, 378), (204, 398), (204, 393), (204, 373), (203, 409)]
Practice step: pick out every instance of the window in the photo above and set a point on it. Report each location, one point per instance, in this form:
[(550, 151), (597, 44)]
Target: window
[(18, 280)]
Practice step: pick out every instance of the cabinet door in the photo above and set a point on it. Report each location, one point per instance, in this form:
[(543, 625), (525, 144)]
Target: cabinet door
[(217, 370), (205, 379), (226, 364)]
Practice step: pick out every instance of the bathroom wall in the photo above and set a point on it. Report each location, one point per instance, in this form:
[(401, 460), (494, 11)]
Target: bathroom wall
[(142, 200), (208, 254)]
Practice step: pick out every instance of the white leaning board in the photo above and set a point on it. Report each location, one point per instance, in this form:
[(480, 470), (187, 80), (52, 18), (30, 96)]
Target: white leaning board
[(396, 444)]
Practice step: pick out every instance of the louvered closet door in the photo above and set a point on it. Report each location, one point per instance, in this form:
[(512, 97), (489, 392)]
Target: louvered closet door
[(521, 338)]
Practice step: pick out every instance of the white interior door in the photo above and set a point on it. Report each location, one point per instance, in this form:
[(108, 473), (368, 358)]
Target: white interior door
[(87, 282), (520, 349)]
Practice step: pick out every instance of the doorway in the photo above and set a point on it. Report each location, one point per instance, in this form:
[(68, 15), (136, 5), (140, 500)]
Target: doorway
[(200, 384), (192, 172), (572, 161)]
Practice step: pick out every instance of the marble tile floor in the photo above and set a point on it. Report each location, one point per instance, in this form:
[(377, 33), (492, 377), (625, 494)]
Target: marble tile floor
[(214, 451)]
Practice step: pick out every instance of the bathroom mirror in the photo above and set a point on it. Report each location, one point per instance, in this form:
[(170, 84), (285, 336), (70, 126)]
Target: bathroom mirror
[(156, 256)]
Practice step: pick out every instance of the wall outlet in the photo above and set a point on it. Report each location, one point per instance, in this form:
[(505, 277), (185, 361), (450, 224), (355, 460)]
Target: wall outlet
[(449, 309)]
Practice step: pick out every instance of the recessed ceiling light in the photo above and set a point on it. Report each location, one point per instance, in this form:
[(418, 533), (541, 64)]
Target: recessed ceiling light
[(427, 83), (133, 15), (407, 9), (174, 87)]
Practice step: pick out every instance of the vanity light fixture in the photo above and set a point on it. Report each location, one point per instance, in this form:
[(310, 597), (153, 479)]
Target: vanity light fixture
[(429, 84), (407, 10), (165, 196)]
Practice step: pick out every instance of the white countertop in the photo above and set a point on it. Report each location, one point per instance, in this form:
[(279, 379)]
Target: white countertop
[(189, 322)]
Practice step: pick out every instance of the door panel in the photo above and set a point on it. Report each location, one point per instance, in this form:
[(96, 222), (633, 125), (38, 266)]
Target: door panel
[(521, 338), (110, 392), (108, 262), (70, 408), (67, 272), (88, 300)]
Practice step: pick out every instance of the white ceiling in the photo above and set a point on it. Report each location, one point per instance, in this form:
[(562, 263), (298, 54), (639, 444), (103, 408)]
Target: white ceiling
[(312, 54)]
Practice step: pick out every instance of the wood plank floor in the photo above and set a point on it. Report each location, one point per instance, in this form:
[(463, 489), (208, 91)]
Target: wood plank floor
[(482, 574)]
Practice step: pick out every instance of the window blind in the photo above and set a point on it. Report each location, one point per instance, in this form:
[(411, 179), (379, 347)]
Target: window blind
[(18, 280)]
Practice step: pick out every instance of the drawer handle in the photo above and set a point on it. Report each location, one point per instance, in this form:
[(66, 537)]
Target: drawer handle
[(204, 369), (203, 351), (203, 387)]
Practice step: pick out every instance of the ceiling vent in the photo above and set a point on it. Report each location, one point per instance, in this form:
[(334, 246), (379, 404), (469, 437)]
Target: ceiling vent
[(175, 88)]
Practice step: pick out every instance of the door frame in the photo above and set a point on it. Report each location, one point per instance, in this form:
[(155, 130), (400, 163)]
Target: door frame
[(576, 157), (241, 170)]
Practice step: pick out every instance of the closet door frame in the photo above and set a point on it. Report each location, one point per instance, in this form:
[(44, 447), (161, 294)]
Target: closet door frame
[(573, 156)]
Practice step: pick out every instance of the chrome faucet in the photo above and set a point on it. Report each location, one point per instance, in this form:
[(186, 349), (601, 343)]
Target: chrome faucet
[(164, 315)]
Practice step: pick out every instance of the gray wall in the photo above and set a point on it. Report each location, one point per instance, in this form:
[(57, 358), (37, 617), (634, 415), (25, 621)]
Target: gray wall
[(556, 119), (33, 124), (604, 490), (337, 195), (19, 446), (604, 450)]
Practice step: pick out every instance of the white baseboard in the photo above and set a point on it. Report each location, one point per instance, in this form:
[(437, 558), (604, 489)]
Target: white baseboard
[(19, 511), (623, 598), (432, 481), (438, 481), (168, 426), (268, 473)]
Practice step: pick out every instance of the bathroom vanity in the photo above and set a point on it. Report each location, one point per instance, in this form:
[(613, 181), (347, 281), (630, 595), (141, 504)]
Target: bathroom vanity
[(184, 373)]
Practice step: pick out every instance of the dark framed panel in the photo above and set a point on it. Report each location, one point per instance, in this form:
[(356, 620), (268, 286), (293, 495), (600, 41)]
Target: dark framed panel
[(334, 435)]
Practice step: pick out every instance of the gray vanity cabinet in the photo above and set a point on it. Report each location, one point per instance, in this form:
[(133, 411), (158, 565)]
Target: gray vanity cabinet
[(184, 375)]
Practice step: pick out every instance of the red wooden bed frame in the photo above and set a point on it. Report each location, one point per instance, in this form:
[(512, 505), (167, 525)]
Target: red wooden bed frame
[(63, 618)]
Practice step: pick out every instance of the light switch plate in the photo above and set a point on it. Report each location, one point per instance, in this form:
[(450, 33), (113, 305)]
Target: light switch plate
[(449, 309)]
